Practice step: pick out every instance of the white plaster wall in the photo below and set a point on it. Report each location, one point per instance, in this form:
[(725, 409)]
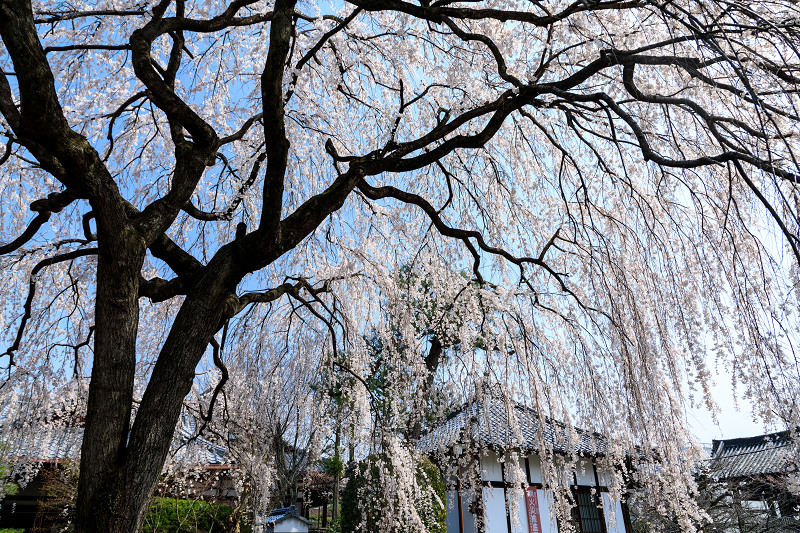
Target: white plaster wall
[(604, 476), (548, 523), (613, 509), (490, 467), (452, 511), (291, 525), (536, 468), (495, 510), (585, 472), (521, 524)]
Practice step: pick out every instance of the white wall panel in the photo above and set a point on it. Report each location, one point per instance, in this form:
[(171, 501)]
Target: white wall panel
[(613, 513), (452, 511), (585, 473), (495, 509), (536, 469), (490, 467), (548, 523), (604, 476)]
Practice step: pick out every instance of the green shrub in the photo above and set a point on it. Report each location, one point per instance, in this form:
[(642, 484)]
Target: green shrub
[(363, 497), (168, 515), (332, 466)]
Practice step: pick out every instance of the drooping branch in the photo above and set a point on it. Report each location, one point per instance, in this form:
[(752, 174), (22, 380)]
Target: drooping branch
[(27, 309), (180, 261), (76, 47), (219, 363), (434, 11), (115, 115), (242, 131), (206, 418), (791, 237), (466, 236), (76, 350), (222, 380), (508, 101), (712, 123), (650, 154), (374, 402), (227, 213), (39, 220), (52, 17), (502, 69), (312, 52)]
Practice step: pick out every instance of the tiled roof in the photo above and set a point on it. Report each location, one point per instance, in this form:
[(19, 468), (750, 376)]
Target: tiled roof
[(270, 518), (53, 443), (202, 452), (199, 449), (58, 444), (491, 422), (50, 445), (774, 453)]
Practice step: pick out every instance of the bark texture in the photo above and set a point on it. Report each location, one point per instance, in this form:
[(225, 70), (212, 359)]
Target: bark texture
[(598, 99)]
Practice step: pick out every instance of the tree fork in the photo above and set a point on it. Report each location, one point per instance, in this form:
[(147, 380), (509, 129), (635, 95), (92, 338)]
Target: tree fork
[(205, 308)]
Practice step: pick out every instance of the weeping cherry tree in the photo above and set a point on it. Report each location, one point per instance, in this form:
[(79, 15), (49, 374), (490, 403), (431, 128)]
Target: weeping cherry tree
[(606, 192)]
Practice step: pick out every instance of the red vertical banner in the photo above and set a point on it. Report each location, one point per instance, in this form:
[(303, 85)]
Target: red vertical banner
[(532, 509)]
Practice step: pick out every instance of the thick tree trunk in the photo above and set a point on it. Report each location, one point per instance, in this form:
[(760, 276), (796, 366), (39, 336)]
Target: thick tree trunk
[(336, 476), (103, 451), (118, 477), (120, 459)]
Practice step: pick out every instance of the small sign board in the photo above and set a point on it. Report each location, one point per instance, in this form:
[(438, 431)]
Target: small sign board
[(532, 510)]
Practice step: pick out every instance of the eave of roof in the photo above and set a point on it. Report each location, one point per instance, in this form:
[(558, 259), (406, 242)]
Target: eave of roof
[(770, 454)]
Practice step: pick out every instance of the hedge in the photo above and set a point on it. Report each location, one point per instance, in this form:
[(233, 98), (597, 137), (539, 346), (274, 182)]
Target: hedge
[(168, 515)]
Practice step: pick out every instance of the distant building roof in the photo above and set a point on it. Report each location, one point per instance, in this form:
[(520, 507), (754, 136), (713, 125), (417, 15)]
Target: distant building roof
[(775, 453), (491, 422), (59, 444), (270, 518), (54, 443), (49, 445)]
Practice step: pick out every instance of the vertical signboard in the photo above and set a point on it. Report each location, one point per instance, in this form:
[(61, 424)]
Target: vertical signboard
[(532, 510)]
